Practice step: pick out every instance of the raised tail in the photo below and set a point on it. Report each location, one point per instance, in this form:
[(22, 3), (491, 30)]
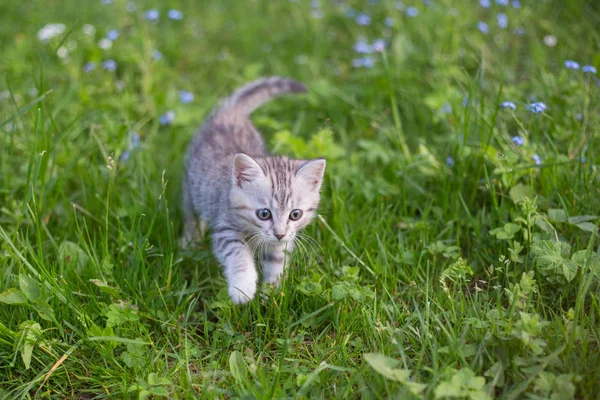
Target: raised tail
[(254, 94)]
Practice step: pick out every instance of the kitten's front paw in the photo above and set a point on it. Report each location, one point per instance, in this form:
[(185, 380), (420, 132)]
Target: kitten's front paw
[(242, 292)]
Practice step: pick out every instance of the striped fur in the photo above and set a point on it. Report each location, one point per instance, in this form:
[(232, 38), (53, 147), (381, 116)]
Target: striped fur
[(230, 176)]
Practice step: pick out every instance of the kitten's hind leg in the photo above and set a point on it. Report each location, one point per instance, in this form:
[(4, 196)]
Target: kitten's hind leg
[(274, 260), (193, 227)]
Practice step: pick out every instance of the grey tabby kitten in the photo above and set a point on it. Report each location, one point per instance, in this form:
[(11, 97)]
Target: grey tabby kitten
[(250, 200)]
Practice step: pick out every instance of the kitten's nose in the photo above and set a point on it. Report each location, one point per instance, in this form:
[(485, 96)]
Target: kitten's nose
[(278, 236)]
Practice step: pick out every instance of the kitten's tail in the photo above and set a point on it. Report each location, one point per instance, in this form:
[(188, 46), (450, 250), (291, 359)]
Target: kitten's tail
[(254, 94)]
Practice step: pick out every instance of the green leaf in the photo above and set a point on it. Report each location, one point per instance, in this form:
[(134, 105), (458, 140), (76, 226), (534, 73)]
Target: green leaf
[(582, 218), (105, 287), (45, 311), (557, 215), (339, 292), (13, 296), (587, 226), (550, 257), (72, 255), (385, 366), (238, 367), (30, 287), (519, 192)]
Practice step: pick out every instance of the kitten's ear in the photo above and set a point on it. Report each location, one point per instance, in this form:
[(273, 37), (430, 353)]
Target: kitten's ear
[(245, 170), (312, 172)]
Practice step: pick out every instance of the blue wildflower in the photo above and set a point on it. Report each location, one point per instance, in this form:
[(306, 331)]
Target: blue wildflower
[(466, 101), (411, 12), (483, 27), (389, 22), (518, 140), (157, 55), (583, 160), (152, 15), (589, 69), (519, 31), (450, 161), (89, 66), (106, 2), (502, 2), (167, 118), (485, 3), (536, 108), (175, 15), (363, 47), (508, 104), (570, 64), (363, 20), (113, 34), (186, 97), (109, 65), (366, 62), (537, 159), (379, 45), (516, 4), (446, 108), (502, 20)]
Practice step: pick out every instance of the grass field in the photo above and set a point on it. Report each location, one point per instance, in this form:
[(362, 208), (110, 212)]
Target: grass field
[(456, 251)]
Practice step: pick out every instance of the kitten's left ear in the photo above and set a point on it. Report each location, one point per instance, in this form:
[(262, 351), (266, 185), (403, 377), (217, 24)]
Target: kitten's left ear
[(312, 172)]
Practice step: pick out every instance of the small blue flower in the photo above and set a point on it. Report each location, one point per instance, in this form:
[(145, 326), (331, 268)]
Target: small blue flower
[(502, 2), (366, 62), (389, 22), (411, 12), (537, 159), (186, 97), (502, 20), (157, 55), (113, 34), (466, 101), (152, 15), (518, 140), (516, 4), (485, 3), (109, 65), (363, 47), (167, 118), (483, 27), (89, 66), (570, 64), (363, 20), (589, 69), (508, 104), (536, 108), (106, 2), (450, 161), (175, 15), (379, 45), (446, 108), (583, 160), (135, 140), (519, 31)]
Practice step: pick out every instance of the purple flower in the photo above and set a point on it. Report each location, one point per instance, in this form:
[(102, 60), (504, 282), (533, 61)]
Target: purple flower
[(483, 27), (167, 118), (89, 66), (570, 64), (389, 22), (411, 12), (508, 104), (152, 15), (363, 47), (157, 55), (109, 65), (186, 97), (502, 2), (363, 20), (518, 140), (536, 108), (366, 62), (537, 159), (516, 4), (175, 15), (485, 3), (502, 20), (106, 2), (379, 45), (589, 69), (113, 34), (450, 161)]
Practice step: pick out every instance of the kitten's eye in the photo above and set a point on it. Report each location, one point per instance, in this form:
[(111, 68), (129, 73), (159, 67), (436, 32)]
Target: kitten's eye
[(295, 215), (263, 214)]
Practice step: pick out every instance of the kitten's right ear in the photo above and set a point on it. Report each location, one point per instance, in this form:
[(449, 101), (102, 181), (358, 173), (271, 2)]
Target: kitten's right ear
[(245, 170)]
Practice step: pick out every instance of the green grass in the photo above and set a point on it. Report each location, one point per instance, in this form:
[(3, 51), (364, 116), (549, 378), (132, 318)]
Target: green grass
[(473, 279)]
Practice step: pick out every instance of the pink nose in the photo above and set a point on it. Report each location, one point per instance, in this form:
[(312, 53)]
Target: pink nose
[(279, 236)]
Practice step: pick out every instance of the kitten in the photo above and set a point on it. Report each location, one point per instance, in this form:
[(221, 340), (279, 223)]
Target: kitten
[(250, 200)]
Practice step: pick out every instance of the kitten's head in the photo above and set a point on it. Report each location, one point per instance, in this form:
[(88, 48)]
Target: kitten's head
[(272, 198)]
